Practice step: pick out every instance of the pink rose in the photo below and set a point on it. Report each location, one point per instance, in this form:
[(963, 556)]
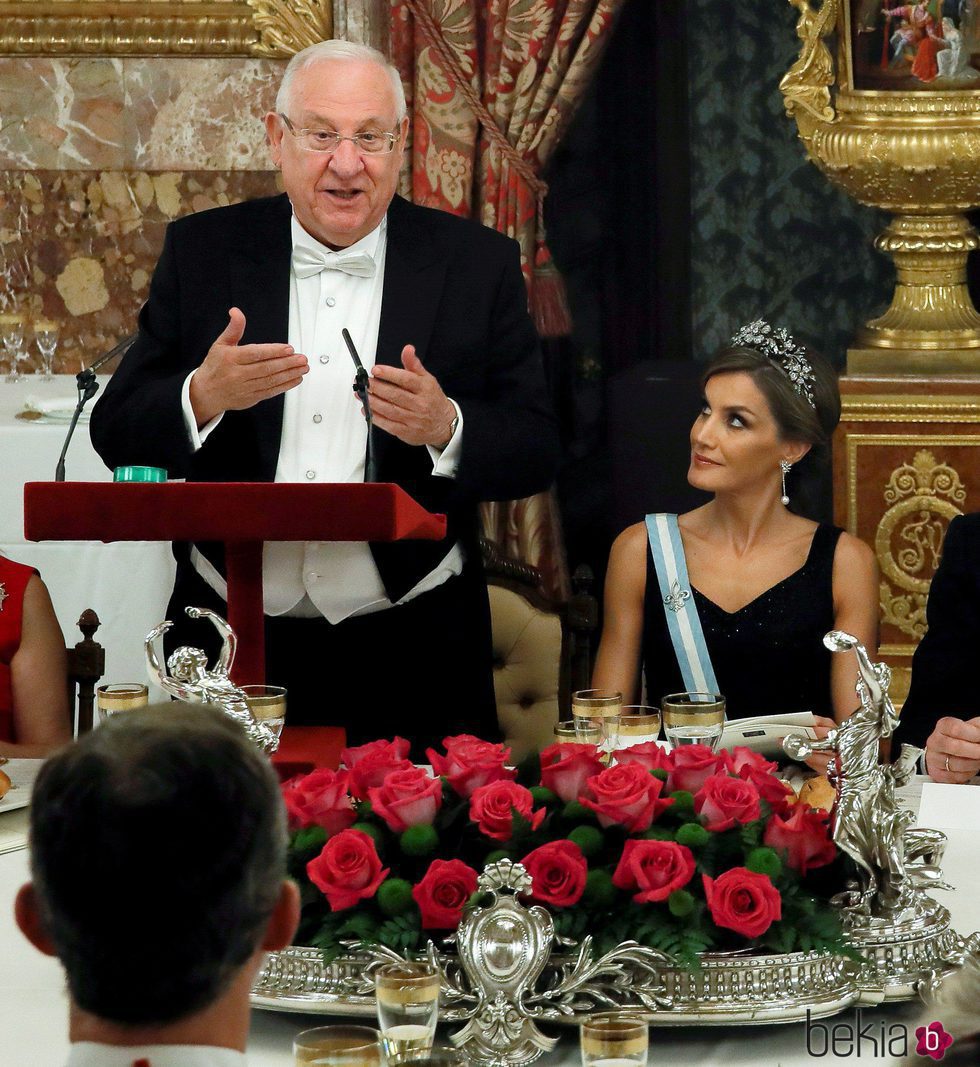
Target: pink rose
[(774, 791), (691, 765), (743, 901), (470, 763), (558, 871), (407, 798), (724, 801), (655, 868), (319, 798), (625, 795), (347, 870), (741, 759), (443, 892), (372, 768), (565, 767), (803, 839), (492, 808), (648, 755), (398, 748)]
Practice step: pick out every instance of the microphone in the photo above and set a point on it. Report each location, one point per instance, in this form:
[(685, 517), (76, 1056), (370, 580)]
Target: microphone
[(87, 388), (361, 379)]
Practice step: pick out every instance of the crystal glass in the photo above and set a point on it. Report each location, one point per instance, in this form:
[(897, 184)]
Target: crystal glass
[(120, 696), (46, 337), (338, 1046), (638, 723), (693, 718), (577, 733), (614, 1041), (408, 1008), (438, 1057), (598, 709), (12, 327), (268, 704)]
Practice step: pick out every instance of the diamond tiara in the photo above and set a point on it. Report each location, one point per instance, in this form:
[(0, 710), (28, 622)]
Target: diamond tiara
[(775, 343)]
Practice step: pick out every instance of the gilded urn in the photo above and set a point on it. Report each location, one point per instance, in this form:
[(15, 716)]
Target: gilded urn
[(894, 121)]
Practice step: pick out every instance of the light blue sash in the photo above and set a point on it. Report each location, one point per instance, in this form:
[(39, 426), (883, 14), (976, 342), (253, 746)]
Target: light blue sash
[(683, 620)]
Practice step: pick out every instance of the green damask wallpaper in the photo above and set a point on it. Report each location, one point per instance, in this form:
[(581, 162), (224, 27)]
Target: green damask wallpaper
[(769, 234)]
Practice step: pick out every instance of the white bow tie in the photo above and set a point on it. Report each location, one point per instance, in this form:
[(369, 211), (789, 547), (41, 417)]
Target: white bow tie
[(309, 261)]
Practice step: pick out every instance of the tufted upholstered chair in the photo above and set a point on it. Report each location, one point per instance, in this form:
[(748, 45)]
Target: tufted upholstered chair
[(541, 650)]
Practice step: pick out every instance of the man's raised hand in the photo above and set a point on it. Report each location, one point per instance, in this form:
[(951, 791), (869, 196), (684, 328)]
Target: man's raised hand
[(409, 403), (234, 376)]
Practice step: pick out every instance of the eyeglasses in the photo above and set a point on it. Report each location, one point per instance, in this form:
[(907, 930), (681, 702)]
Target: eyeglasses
[(371, 142)]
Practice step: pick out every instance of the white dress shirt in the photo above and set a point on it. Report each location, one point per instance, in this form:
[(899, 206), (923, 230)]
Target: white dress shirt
[(92, 1054), (323, 440)]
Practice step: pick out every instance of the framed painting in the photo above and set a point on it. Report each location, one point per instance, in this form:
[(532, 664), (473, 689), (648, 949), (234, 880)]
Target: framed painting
[(927, 45), (162, 27)]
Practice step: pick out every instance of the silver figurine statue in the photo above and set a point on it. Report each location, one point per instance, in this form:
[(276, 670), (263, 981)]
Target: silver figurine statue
[(190, 679), (869, 825)]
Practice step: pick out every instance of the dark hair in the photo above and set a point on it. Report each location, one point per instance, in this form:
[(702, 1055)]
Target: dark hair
[(796, 418), (158, 853)]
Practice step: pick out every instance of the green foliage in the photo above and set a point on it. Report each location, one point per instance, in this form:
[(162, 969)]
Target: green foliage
[(692, 834), (496, 856), (310, 839), (657, 833), (576, 812), (543, 797), (680, 903), (751, 834), (419, 841), (401, 934), (599, 889), (764, 860), (394, 896), (588, 839), (683, 801), (374, 832), (659, 772)]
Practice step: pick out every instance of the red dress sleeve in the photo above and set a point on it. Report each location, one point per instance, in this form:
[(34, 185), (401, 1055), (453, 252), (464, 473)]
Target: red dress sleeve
[(13, 582)]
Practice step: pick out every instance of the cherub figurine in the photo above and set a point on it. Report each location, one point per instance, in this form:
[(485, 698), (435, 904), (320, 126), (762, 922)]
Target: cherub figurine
[(868, 823), (189, 678)]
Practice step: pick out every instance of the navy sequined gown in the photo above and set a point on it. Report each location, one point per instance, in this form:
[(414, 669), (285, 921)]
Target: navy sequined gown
[(769, 656)]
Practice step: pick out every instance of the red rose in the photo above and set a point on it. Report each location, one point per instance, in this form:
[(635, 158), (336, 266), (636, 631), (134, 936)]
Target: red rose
[(741, 759), (442, 893), (691, 765), (407, 798), (648, 755), (319, 799), (655, 868), (372, 768), (626, 795), (492, 808), (774, 791), (565, 767), (742, 901), (558, 871), (347, 870), (470, 763), (803, 838), (724, 801), (398, 748)]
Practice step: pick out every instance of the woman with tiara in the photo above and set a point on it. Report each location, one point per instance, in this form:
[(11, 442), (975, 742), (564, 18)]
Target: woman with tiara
[(746, 584)]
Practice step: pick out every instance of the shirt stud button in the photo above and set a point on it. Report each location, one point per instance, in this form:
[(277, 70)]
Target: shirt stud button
[(324, 359), (318, 419), (310, 475), (330, 301)]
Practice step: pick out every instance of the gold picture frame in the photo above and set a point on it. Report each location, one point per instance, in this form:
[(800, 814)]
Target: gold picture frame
[(268, 28)]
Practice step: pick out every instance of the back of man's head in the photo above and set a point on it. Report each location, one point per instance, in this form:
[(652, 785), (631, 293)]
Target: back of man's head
[(158, 854)]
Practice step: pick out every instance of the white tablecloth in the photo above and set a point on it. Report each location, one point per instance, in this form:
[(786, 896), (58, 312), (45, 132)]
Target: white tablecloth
[(33, 1006), (127, 583)]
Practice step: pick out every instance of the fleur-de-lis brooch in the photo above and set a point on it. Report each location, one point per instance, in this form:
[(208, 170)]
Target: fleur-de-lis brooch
[(676, 597)]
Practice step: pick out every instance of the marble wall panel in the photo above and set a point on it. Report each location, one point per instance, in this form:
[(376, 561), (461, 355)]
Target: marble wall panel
[(78, 247), (195, 114)]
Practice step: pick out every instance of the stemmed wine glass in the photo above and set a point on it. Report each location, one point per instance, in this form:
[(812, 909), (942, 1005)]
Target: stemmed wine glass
[(46, 336), (12, 339)]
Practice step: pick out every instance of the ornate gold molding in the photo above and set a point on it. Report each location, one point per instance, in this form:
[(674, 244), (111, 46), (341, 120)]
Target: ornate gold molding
[(271, 28), (893, 407)]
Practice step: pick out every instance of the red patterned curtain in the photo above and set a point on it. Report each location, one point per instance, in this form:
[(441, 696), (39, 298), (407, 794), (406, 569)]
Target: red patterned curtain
[(492, 86)]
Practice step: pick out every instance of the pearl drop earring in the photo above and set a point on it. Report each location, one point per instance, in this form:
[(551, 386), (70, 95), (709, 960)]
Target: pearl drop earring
[(785, 466)]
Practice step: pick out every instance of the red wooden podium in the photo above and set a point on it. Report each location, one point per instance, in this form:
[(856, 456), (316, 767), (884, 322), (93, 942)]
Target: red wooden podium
[(242, 515)]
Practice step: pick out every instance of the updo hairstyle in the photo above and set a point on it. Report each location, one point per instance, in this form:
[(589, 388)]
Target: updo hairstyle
[(795, 418)]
